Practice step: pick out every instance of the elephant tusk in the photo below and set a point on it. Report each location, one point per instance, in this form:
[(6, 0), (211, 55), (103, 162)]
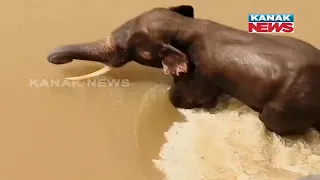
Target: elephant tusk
[(99, 72)]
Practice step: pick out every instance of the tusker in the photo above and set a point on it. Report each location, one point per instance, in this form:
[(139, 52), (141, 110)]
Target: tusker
[(277, 76), (131, 41)]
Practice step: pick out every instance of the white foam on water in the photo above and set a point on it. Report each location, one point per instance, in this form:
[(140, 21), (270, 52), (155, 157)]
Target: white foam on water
[(231, 143)]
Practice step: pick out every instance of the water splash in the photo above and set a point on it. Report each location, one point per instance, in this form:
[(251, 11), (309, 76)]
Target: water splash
[(230, 142)]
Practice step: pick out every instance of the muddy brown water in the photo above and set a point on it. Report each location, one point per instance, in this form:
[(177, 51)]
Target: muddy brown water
[(95, 133)]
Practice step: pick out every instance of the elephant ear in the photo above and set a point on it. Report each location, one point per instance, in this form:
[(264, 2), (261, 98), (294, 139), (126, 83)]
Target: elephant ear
[(185, 10)]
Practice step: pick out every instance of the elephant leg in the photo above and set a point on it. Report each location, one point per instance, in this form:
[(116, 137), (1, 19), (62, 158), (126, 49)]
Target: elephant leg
[(193, 93), (180, 98), (285, 119)]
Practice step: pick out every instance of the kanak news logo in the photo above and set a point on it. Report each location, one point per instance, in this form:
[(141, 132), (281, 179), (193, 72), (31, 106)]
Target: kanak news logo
[(270, 23)]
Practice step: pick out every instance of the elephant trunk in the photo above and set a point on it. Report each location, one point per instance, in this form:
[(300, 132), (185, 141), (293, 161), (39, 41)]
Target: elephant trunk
[(104, 51)]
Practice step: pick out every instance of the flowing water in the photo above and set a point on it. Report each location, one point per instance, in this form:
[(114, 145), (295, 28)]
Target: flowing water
[(95, 133)]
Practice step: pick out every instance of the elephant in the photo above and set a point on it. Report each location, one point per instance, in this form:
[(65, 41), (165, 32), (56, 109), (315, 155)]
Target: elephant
[(277, 76)]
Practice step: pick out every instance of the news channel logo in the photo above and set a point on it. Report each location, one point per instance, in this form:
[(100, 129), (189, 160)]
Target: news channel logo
[(270, 23)]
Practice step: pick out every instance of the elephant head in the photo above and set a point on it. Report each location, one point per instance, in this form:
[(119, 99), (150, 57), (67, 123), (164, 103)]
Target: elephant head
[(143, 39)]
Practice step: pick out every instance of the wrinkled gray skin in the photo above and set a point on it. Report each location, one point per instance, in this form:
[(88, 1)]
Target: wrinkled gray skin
[(277, 76)]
